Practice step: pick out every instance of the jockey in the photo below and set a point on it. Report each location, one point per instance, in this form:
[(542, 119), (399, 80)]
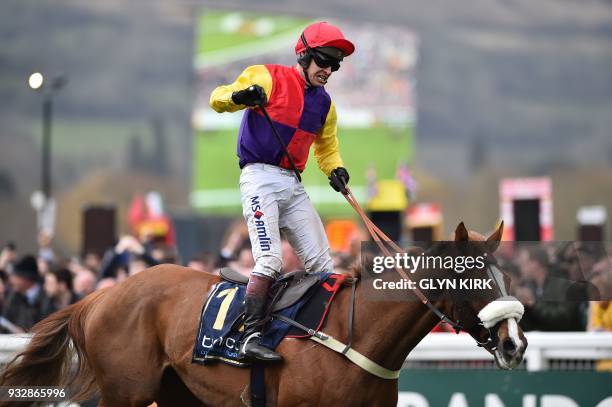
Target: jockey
[(273, 200)]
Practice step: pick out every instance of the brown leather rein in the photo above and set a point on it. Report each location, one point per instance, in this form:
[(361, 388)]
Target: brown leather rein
[(380, 238)]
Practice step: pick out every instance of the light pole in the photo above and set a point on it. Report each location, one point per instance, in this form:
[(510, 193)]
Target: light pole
[(44, 204)]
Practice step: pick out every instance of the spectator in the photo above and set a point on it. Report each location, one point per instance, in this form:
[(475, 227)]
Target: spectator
[(44, 266), (8, 255), (92, 261), (137, 263), (601, 317), (291, 262), (233, 241), (58, 290), (24, 304), (600, 313), (161, 254), (105, 283), (244, 263), (127, 249), (544, 295), (3, 288), (202, 262), (84, 282), (45, 252)]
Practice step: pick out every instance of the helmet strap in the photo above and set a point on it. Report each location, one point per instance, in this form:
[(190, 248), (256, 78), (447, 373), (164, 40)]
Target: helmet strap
[(305, 58)]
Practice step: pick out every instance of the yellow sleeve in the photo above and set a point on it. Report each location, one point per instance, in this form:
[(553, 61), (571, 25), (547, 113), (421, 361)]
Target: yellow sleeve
[(326, 144), (221, 97)]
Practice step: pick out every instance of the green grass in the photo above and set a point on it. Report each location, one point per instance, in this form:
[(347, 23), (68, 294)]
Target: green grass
[(211, 36), (216, 164)]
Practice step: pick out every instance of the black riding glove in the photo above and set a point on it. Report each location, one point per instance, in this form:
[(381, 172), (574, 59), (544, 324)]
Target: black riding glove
[(338, 180), (254, 95)]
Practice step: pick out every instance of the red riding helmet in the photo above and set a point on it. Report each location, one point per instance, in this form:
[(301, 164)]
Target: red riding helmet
[(323, 34)]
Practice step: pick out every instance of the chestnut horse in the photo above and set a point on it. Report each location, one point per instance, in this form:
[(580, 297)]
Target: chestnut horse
[(134, 344)]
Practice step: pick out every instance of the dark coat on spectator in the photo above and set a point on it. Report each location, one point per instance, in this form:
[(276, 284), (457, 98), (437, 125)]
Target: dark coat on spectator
[(49, 307), (553, 310), (20, 312)]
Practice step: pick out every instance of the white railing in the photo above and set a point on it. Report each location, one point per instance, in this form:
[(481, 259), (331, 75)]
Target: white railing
[(543, 346), (443, 347), (11, 344)]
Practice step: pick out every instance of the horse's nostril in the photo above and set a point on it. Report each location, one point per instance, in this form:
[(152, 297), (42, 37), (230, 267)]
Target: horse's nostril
[(509, 346)]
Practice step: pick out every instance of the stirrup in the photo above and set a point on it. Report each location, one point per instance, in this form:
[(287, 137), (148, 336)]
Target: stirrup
[(257, 352), (254, 335)]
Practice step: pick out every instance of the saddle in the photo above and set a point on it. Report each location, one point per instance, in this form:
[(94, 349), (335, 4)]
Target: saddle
[(286, 291)]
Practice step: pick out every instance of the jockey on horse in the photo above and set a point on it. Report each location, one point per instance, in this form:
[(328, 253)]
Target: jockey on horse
[(273, 199)]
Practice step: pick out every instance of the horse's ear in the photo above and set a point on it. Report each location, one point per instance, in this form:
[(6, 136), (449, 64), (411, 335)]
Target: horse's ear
[(495, 238), (461, 233)]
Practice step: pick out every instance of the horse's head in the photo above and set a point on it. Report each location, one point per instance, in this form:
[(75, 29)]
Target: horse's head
[(492, 320)]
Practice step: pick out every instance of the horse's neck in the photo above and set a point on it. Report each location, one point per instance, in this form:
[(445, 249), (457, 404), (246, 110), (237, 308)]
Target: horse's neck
[(386, 331)]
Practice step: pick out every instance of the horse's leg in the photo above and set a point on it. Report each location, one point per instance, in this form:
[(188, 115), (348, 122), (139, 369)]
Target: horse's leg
[(173, 392), (216, 384), (134, 338)]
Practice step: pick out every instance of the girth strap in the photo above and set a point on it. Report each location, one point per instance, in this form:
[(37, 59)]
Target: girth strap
[(357, 358), (351, 354)]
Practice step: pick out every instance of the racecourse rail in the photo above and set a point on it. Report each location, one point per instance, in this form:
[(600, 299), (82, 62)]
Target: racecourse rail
[(563, 350)]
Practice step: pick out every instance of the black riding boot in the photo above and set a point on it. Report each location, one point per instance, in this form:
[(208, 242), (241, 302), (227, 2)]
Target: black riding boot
[(256, 301)]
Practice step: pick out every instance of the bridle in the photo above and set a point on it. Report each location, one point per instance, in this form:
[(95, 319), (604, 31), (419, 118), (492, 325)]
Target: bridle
[(491, 340)]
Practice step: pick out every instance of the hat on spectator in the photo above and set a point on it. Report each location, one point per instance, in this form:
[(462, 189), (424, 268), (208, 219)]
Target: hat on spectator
[(27, 268)]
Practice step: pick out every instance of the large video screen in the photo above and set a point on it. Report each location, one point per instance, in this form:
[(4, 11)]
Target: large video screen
[(373, 92)]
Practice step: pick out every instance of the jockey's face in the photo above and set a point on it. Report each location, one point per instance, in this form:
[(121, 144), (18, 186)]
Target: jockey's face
[(316, 75)]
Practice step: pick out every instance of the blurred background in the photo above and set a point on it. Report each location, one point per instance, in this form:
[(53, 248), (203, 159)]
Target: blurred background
[(490, 90), (473, 111)]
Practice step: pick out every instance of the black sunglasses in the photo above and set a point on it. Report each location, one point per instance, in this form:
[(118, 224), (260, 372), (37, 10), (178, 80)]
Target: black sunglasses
[(321, 59), (325, 61)]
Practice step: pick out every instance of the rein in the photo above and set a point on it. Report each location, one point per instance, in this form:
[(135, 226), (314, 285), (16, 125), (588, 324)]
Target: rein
[(490, 343), (381, 238)]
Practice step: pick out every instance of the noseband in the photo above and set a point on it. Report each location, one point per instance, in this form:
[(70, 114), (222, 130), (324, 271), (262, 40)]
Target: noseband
[(493, 313)]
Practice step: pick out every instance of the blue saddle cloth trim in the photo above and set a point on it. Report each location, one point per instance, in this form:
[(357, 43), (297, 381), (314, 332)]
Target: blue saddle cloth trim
[(222, 343)]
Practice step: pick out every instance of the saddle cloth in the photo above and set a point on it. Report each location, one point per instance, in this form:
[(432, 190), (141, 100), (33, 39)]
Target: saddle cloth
[(220, 325)]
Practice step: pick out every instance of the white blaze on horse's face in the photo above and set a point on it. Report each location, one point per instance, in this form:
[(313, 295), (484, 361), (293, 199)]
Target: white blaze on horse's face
[(504, 314), (512, 344), (511, 341)]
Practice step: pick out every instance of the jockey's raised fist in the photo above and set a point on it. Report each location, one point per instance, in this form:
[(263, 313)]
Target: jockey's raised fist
[(254, 95)]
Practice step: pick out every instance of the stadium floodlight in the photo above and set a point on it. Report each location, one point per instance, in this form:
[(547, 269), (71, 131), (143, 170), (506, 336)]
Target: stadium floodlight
[(36, 80)]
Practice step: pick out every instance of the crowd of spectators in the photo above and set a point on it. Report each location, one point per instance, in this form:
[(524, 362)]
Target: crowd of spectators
[(563, 287), (33, 286)]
